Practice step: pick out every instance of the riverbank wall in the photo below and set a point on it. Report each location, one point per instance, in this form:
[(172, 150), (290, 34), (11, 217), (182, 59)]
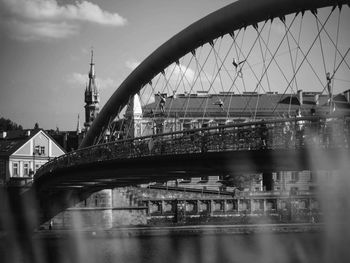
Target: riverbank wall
[(125, 232)]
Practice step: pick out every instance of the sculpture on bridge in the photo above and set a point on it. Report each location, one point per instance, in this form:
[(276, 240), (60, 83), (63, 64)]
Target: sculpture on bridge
[(162, 102)]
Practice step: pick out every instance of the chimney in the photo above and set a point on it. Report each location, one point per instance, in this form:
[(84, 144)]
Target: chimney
[(27, 133), (347, 95), (300, 96), (3, 135)]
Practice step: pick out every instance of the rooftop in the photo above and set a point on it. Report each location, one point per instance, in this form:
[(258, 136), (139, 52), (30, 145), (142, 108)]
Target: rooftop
[(229, 104), (11, 141)]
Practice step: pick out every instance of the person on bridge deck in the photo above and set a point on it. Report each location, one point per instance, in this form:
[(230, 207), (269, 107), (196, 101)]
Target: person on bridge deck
[(287, 131), (301, 123), (220, 103), (314, 128), (235, 63), (238, 67), (300, 126), (162, 102), (263, 130), (204, 141)]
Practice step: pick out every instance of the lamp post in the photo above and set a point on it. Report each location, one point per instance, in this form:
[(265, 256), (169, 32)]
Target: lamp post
[(329, 88), (35, 152), (34, 162)]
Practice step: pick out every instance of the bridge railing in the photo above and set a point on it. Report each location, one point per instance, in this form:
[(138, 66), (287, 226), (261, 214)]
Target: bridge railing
[(291, 133)]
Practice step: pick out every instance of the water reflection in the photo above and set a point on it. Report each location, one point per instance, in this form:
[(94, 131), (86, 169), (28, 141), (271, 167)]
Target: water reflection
[(296, 247), (18, 245)]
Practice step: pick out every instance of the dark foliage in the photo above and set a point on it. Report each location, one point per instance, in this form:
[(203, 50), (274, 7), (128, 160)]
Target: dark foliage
[(240, 181), (8, 125)]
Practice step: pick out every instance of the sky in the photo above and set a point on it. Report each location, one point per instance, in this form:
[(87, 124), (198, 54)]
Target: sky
[(45, 50)]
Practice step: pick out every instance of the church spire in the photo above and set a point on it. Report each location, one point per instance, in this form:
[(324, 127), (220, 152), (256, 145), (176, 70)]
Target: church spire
[(92, 96), (78, 125), (92, 66)]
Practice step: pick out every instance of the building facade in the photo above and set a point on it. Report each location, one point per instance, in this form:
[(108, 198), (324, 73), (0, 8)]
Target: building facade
[(68, 140), (189, 111), (22, 153), (192, 111)]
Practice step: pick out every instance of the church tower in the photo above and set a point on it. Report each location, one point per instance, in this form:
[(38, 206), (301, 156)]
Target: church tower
[(92, 96)]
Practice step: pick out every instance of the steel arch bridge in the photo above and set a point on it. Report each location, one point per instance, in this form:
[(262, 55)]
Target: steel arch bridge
[(248, 47), (178, 54)]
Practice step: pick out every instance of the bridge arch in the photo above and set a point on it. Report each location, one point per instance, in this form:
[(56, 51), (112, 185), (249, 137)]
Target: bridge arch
[(237, 15), (70, 178)]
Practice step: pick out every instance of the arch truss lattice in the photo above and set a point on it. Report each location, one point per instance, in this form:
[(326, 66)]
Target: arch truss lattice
[(243, 60)]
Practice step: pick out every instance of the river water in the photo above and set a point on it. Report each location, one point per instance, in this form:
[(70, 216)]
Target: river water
[(331, 245), (262, 247)]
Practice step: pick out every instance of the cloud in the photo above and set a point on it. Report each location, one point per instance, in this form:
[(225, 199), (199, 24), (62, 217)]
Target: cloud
[(39, 30), (46, 19), (179, 77), (189, 73), (132, 64), (176, 71), (106, 83), (78, 80)]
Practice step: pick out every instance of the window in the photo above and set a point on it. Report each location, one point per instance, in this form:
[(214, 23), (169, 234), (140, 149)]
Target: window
[(271, 204), (313, 176), (186, 126), (258, 204), (36, 149), (15, 169), (26, 169), (185, 180), (313, 188), (138, 129), (294, 190), (2, 169), (278, 176), (159, 128), (39, 150), (204, 179), (284, 205), (302, 204), (295, 176), (96, 200)]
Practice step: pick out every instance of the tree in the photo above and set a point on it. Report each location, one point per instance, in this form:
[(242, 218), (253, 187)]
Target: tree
[(36, 126), (8, 125), (239, 181)]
